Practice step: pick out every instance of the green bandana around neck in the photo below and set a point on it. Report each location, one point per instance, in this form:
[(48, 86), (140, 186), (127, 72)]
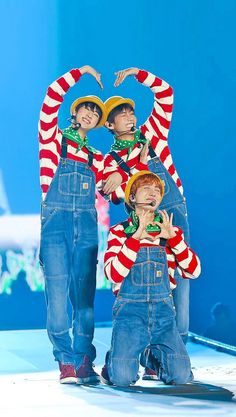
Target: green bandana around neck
[(120, 144), (135, 223), (74, 136)]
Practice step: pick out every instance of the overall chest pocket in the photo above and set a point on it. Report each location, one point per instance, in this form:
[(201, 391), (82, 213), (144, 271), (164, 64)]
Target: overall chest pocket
[(74, 184), (147, 273)]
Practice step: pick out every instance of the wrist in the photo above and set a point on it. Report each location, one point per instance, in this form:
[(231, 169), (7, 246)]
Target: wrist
[(136, 71), (136, 236), (84, 69)]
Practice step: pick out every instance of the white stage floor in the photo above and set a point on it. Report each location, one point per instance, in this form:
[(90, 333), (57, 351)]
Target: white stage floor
[(29, 384)]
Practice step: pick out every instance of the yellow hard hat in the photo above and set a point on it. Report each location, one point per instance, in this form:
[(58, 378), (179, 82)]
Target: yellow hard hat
[(115, 101), (135, 177), (93, 99)]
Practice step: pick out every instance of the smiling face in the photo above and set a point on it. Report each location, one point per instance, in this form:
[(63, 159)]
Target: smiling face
[(122, 119), (88, 116), (149, 194), (146, 192)]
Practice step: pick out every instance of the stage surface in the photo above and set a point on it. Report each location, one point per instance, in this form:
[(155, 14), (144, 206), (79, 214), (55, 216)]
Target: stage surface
[(29, 383)]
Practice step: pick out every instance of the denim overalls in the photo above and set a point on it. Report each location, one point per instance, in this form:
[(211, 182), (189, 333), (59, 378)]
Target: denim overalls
[(143, 314), (68, 255), (174, 202)]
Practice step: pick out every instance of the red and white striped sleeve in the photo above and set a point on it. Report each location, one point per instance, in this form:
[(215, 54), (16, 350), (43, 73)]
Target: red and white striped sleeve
[(156, 127), (48, 121), (121, 254), (187, 262), (158, 123)]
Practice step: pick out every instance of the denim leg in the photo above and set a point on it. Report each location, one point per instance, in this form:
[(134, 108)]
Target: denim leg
[(168, 348), (129, 338), (181, 302), (55, 262), (82, 289), (181, 292)]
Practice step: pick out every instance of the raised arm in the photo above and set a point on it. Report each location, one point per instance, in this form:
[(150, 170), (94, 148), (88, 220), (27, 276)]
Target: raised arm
[(156, 127), (48, 122), (158, 123)]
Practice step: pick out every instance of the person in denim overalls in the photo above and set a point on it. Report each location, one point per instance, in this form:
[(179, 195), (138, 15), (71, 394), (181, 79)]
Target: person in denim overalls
[(129, 137), (174, 202), (69, 238), (144, 313)]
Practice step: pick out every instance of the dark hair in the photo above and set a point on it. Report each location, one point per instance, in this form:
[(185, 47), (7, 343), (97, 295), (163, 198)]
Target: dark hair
[(92, 106), (117, 110)]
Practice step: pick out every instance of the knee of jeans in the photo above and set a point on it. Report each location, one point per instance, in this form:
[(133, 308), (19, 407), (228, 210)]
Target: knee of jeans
[(123, 372), (178, 369)]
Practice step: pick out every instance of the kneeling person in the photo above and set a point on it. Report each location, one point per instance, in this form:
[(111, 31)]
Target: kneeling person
[(142, 255)]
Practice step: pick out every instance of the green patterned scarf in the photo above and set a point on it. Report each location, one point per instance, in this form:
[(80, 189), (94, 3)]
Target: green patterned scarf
[(120, 144), (135, 223), (74, 136)]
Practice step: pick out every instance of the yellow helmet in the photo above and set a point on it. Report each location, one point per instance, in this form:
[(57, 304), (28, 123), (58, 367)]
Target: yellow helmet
[(135, 177), (93, 99), (115, 101)]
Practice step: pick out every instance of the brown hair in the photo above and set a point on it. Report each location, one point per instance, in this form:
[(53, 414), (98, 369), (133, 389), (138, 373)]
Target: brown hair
[(147, 179)]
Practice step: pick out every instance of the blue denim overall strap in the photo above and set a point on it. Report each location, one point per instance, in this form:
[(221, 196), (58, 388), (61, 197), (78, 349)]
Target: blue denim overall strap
[(148, 278), (68, 254), (172, 196), (122, 164)]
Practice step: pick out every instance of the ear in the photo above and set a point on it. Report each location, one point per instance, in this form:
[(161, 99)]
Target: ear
[(109, 126)]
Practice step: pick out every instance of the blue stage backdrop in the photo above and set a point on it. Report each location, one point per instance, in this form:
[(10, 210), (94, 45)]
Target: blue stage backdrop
[(188, 43)]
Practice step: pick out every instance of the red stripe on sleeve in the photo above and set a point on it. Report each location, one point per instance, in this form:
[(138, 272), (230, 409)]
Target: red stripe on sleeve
[(163, 121), (49, 110), (63, 83), (47, 172), (115, 276), (54, 95), (165, 93), (141, 76), (124, 260)]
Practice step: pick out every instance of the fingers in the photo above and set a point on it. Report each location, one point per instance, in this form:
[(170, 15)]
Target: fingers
[(121, 75), (107, 186), (144, 151), (144, 154), (98, 79), (164, 215), (96, 75)]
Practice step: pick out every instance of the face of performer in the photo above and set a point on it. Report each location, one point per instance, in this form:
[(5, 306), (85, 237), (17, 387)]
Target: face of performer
[(88, 117), (122, 121), (147, 193)]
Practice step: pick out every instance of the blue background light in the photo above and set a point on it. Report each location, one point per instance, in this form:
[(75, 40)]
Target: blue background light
[(190, 44)]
